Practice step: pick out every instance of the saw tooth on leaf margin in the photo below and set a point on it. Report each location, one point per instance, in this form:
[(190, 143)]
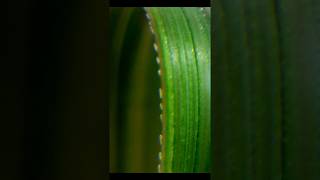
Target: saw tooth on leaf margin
[(160, 93), (155, 46)]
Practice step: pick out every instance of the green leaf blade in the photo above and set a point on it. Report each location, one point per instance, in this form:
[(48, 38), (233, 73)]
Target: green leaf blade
[(183, 38)]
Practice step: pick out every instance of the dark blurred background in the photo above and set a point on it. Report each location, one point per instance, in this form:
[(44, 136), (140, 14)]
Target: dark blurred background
[(55, 91)]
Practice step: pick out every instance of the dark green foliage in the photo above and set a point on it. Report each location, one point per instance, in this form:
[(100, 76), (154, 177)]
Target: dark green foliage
[(266, 90)]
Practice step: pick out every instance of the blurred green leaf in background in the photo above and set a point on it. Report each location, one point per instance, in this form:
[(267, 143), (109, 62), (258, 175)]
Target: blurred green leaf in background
[(266, 79), (134, 122)]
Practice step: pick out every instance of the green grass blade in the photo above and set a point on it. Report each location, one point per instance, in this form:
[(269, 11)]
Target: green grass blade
[(183, 45)]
